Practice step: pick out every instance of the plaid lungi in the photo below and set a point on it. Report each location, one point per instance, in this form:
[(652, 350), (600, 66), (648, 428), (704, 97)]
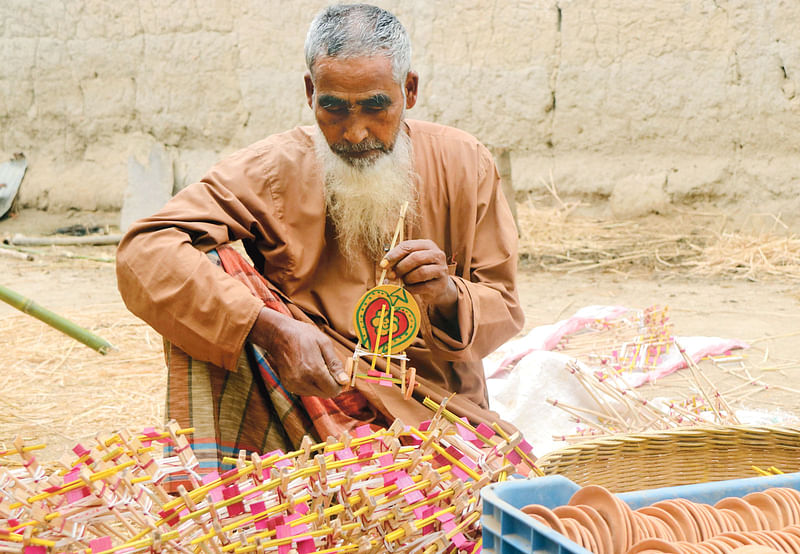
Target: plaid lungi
[(249, 409)]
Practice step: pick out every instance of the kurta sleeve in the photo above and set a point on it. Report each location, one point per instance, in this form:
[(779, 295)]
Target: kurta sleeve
[(165, 277), (485, 246)]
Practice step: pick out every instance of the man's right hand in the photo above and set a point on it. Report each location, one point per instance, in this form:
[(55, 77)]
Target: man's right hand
[(301, 355)]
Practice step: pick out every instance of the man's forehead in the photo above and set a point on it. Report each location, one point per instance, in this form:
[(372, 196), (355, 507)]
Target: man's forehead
[(355, 78)]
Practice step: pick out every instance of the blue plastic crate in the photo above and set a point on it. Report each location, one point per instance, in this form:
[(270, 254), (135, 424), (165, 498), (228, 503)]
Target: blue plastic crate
[(507, 530)]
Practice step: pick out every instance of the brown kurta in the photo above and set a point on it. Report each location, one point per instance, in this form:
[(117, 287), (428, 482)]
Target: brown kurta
[(270, 195)]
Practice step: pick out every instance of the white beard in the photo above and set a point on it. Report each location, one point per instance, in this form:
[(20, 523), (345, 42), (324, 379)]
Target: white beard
[(363, 202)]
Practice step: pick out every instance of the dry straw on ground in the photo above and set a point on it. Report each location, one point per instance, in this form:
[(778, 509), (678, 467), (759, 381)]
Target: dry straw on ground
[(555, 238), (58, 392)]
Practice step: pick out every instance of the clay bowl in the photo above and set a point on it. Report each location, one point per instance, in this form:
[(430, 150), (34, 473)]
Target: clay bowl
[(540, 519), (719, 547), (583, 519), (631, 526), (736, 521), (551, 519), (732, 539), (793, 531), (605, 544), (607, 506), (704, 548), (787, 516), (667, 519), (785, 546), (644, 529), (768, 507), (664, 530), (753, 549), (765, 538), (589, 541), (572, 529), (682, 518), (715, 523), (790, 538), (701, 525), (745, 511), (795, 496), (657, 545), (791, 503)]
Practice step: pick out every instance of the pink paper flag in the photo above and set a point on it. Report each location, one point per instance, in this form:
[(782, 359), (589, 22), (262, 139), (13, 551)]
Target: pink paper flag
[(363, 431), (306, 546), (404, 481), (386, 460), (458, 455), (365, 451), (459, 540), (344, 454), (170, 516), (465, 433), (282, 531), (513, 457), (259, 508), (390, 478), (485, 430), (460, 474), (429, 511), (100, 544), (35, 550), (274, 522), (236, 508), (448, 516), (215, 493)]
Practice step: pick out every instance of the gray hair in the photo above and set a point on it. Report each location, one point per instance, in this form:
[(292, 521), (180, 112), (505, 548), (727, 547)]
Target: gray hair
[(353, 30)]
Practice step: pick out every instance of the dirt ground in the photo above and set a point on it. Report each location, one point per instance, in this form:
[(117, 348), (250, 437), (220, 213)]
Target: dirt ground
[(56, 391)]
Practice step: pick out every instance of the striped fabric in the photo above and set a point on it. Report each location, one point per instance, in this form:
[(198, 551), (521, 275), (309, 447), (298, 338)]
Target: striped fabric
[(249, 409)]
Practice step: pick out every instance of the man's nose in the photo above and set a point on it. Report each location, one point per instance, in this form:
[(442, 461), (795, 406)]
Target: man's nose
[(355, 131)]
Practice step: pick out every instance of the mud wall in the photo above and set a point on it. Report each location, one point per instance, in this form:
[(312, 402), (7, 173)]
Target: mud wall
[(642, 103)]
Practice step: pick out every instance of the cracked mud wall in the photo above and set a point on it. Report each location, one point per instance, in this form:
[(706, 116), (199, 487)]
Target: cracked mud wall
[(664, 100)]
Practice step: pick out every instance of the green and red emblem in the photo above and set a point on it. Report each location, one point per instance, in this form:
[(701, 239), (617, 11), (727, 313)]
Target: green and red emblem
[(394, 311)]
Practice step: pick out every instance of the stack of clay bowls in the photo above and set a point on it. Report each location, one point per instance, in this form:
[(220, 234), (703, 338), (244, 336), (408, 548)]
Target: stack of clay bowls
[(760, 522)]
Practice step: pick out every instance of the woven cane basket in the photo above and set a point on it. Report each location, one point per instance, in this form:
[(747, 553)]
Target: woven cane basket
[(685, 456)]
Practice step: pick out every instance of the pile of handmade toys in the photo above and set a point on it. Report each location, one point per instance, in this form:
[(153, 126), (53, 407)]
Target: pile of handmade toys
[(633, 340), (401, 489)]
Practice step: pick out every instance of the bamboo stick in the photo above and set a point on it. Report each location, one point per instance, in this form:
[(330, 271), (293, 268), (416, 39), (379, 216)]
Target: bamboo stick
[(28, 306)]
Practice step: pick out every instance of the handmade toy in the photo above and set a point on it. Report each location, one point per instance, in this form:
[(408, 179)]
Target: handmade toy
[(402, 489), (386, 320)]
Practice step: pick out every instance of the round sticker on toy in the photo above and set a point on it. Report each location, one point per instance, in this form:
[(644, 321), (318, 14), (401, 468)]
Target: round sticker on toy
[(386, 316)]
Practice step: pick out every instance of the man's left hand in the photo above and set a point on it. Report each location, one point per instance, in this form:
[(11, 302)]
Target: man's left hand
[(422, 266)]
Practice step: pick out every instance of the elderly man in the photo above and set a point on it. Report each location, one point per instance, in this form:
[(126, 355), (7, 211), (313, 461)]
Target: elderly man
[(255, 354)]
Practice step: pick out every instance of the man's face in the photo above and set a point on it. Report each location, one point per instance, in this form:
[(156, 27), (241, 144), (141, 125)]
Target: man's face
[(358, 105)]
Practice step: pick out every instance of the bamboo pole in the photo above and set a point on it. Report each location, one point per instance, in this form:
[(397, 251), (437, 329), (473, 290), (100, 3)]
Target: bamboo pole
[(28, 306)]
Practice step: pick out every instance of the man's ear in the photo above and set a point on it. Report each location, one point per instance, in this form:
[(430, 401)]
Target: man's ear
[(309, 89), (410, 87)]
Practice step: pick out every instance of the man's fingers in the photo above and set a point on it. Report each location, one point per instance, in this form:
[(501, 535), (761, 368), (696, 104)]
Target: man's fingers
[(404, 249), (332, 362), (322, 383)]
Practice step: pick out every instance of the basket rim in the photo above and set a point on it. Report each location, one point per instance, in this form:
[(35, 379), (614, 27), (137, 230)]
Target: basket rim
[(667, 435)]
